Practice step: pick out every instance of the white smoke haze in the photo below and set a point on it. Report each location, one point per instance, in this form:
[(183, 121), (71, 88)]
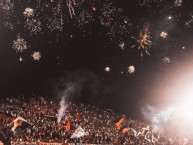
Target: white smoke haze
[(172, 108), (174, 118), (63, 105), (158, 117), (61, 111), (81, 86), (86, 87)]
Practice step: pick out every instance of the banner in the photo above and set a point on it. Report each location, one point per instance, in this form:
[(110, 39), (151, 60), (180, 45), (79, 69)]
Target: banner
[(43, 143), (79, 132), (20, 124)]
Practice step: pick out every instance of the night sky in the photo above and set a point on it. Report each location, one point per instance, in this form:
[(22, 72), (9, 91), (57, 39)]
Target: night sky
[(92, 43)]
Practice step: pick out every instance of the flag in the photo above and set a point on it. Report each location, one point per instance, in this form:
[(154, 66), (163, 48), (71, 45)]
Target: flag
[(145, 130), (125, 130), (53, 118), (118, 124), (79, 132), (68, 126), (3, 138), (134, 132), (117, 141), (20, 124)]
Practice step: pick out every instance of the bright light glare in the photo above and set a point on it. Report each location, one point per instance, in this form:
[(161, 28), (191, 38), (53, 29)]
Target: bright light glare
[(177, 115)]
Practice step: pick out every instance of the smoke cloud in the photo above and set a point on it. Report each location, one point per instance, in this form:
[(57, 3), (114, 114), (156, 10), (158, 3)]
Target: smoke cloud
[(63, 105), (81, 86), (174, 118), (61, 111), (158, 117)]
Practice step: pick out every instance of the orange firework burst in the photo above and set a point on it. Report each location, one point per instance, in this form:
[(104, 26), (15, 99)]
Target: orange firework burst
[(144, 41)]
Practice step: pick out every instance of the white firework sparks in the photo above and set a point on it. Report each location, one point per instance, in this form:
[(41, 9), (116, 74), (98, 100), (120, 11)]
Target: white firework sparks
[(131, 69), (36, 55), (108, 14), (163, 34), (149, 3), (29, 12), (119, 29), (169, 17), (9, 25), (10, 19), (190, 20), (166, 60), (33, 25), (113, 19), (7, 7), (20, 59), (122, 45), (71, 4), (178, 3), (55, 21), (107, 69), (84, 17), (51, 15), (19, 44)]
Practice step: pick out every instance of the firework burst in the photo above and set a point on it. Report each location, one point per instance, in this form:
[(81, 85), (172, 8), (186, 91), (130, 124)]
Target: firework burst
[(131, 69), (190, 20), (122, 45), (163, 34), (36, 55), (20, 59), (8, 12), (178, 3), (70, 5), (84, 17), (149, 3), (19, 44), (166, 60), (107, 69), (29, 12), (143, 42)]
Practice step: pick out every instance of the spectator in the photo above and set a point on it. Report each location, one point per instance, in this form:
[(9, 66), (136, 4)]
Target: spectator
[(99, 125)]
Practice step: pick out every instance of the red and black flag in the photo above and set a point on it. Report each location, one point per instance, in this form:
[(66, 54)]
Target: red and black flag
[(119, 123), (4, 139), (19, 125)]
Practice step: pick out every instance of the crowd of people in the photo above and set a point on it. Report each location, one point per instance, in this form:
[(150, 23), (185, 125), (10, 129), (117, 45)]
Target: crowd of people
[(100, 126)]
